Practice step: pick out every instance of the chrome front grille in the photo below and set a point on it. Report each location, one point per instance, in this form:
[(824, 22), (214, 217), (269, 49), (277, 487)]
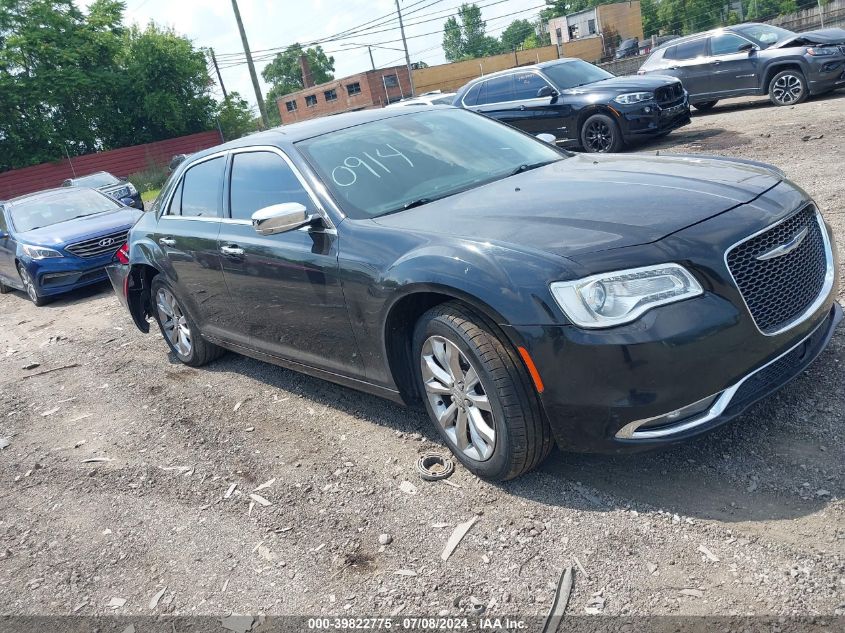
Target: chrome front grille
[(97, 246), (782, 271)]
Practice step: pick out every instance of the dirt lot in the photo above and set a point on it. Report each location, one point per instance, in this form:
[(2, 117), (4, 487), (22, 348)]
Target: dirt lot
[(763, 495)]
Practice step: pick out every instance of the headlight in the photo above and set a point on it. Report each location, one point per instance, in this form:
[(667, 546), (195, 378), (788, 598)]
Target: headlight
[(620, 297), (131, 187), (40, 252), (822, 51), (634, 97)]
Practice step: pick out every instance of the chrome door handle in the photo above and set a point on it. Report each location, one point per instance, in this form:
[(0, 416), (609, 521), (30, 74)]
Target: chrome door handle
[(167, 241), (232, 251)]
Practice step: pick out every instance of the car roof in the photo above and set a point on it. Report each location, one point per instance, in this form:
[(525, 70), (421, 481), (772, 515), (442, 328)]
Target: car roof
[(540, 66), (295, 132), (734, 28)]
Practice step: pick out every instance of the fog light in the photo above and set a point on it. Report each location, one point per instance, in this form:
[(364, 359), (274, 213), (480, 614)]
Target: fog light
[(673, 417), (647, 109)]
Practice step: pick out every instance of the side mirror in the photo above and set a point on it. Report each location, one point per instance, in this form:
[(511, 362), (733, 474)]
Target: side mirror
[(280, 218), (548, 138), (546, 91), (748, 48)]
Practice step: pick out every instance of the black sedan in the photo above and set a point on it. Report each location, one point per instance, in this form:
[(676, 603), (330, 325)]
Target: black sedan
[(579, 104), (118, 188), (524, 295)]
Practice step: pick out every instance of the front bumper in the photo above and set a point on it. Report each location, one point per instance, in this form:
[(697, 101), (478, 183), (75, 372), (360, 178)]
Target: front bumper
[(54, 276), (650, 119), (826, 74)]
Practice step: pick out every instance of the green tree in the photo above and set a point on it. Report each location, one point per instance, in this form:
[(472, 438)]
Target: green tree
[(465, 37), (515, 34), (235, 117), (284, 73)]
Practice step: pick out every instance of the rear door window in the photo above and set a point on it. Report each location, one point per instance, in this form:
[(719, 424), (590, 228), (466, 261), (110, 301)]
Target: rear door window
[(498, 90), (201, 189), (471, 97), (687, 50)]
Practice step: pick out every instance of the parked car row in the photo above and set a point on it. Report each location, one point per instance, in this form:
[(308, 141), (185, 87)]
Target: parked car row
[(118, 188)]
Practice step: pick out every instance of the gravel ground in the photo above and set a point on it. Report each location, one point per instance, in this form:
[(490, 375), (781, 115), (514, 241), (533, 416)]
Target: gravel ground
[(747, 520)]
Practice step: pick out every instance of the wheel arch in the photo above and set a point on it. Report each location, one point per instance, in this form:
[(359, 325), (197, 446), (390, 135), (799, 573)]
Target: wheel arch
[(776, 67), (598, 108), (402, 317), (138, 296)]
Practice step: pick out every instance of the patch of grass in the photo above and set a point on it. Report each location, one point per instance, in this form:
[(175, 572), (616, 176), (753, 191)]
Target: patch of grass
[(149, 196)]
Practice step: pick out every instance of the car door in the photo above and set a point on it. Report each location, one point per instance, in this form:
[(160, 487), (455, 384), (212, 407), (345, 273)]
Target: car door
[(498, 101), (734, 71), (187, 232), (549, 114), (284, 289), (688, 62), (8, 248)]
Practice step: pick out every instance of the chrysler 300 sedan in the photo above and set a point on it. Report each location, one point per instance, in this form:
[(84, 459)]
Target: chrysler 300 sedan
[(526, 296)]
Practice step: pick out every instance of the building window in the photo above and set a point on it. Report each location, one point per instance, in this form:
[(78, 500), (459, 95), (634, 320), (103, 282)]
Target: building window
[(591, 27), (391, 81), (353, 89), (573, 31), (311, 101), (330, 95), (559, 35), (291, 105)]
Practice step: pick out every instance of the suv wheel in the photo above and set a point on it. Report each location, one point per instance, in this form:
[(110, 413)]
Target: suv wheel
[(704, 106), (179, 330), (30, 289), (600, 133), (4, 288), (478, 394), (788, 88)]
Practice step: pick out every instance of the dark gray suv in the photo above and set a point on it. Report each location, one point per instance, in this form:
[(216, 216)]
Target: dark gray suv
[(753, 59)]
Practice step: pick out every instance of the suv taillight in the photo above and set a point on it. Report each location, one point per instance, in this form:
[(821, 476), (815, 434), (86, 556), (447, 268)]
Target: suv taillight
[(122, 254)]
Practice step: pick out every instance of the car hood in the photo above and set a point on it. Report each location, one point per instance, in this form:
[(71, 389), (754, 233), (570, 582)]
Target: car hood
[(81, 228), (821, 36), (590, 203), (628, 83)]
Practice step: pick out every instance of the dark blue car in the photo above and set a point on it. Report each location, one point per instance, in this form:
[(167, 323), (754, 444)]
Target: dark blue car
[(58, 240)]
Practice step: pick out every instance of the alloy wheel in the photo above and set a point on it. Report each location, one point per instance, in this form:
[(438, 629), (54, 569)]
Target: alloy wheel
[(599, 136), (173, 322), (28, 284), (458, 399), (787, 89)]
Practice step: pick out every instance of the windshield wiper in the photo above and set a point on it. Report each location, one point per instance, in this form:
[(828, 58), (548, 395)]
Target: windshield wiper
[(529, 167), (416, 203)]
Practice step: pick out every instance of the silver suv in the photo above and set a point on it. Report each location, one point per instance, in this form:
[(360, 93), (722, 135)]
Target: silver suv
[(752, 59)]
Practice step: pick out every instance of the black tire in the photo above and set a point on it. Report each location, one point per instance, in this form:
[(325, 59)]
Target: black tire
[(4, 288), (788, 87), (705, 106), (199, 352), (600, 133), (30, 289), (523, 438)]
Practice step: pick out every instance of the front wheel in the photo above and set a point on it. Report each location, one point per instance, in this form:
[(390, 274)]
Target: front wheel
[(600, 133), (179, 330), (478, 394), (704, 106), (788, 88), (30, 289)]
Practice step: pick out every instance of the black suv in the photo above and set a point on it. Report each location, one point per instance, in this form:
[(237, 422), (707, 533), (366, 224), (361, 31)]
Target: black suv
[(753, 59), (579, 104), (118, 188)]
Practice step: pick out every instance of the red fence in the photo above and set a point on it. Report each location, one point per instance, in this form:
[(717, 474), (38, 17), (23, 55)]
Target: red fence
[(120, 162)]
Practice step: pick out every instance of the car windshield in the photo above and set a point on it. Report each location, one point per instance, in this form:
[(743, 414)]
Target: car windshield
[(574, 73), (59, 206), (100, 179), (764, 34), (407, 161)]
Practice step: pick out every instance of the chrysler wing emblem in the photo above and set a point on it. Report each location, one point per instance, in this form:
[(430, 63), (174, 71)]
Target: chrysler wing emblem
[(106, 242), (783, 249)]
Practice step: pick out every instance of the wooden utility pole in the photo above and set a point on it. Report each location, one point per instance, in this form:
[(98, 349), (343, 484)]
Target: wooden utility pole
[(405, 44), (251, 66), (219, 76)]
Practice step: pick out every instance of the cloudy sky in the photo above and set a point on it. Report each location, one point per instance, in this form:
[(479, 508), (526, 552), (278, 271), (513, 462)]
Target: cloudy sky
[(276, 23)]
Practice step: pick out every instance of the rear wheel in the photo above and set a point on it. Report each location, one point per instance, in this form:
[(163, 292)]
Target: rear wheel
[(788, 88), (704, 106), (4, 288), (600, 133), (30, 288), (478, 394), (179, 330)]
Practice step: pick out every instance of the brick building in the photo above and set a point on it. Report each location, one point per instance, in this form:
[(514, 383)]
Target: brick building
[(589, 28), (371, 89)]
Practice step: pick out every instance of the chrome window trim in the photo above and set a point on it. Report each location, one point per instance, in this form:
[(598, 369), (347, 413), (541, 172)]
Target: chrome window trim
[(481, 80), (830, 271), (630, 432)]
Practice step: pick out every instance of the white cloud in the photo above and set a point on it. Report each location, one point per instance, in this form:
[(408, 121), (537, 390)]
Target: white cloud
[(276, 23)]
